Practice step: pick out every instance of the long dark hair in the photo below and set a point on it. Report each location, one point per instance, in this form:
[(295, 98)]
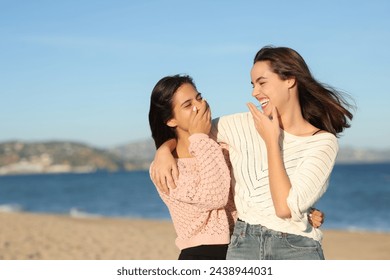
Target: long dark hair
[(161, 107), (321, 105)]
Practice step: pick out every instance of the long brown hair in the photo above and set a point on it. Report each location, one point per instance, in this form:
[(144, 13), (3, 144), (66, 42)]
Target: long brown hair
[(321, 105)]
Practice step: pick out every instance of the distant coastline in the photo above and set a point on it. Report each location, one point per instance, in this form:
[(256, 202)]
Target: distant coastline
[(17, 157), (358, 155)]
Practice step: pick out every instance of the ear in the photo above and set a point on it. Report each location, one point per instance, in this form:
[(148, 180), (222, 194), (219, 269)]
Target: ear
[(291, 82), (172, 123)]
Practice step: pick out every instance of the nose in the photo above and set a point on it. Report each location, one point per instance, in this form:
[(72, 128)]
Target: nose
[(196, 103), (255, 91)]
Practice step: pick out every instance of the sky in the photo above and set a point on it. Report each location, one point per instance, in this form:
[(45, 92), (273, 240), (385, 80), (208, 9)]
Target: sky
[(83, 70)]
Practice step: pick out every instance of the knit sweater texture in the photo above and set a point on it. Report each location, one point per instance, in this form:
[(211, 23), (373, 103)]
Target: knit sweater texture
[(201, 206), (308, 162)]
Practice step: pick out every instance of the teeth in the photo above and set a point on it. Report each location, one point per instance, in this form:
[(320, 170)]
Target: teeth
[(264, 102)]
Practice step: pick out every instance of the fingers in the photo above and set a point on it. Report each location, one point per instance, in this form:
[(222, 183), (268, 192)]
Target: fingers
[(274, 114), (193, 113), (316, 217), (159, 182), (167, 176), (162, 184), (256, 113), (208, 115), (207, 111), (258, 117), (203, 108), (315, 224), (171, 176), (165, 179), (175, 175), (200, 120), (252, 108), (317, 214), (314, 221)]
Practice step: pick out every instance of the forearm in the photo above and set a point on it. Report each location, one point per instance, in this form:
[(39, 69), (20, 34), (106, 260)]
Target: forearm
[(167, 146), (163, 169), (279, 182)]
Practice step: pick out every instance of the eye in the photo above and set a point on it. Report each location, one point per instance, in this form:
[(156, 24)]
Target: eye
[(199, 97)]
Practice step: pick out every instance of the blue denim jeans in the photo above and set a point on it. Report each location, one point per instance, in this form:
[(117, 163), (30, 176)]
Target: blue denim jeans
[(256, 242)]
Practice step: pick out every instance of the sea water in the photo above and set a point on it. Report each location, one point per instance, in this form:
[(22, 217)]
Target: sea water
[(358, 197)]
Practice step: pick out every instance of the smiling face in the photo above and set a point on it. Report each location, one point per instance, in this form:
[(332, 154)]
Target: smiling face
[(184, 99), (269, 89)]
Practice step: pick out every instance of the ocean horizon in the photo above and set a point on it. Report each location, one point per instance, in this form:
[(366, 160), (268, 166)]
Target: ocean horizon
[(358, 197)]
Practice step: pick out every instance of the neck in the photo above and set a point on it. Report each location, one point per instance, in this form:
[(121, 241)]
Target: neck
[(294, 123), (290, 115), (182, 147)]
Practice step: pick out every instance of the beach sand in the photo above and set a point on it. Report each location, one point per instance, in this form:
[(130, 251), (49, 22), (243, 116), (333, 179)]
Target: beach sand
[(26, 236)]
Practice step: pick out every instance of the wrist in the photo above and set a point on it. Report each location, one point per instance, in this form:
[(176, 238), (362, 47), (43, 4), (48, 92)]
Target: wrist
[(272, 145), (198, 135)]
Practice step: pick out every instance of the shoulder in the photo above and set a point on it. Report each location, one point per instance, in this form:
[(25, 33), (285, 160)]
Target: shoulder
[(232, 120), (325, 138), (323, 144), (319, 143), (232, 117), (321, 138)]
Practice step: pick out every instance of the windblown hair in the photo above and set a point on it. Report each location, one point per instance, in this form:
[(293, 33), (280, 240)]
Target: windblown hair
[(321, 105), (161, 107)]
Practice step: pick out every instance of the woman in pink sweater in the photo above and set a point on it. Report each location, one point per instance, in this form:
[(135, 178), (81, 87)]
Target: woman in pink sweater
[(201, 206)]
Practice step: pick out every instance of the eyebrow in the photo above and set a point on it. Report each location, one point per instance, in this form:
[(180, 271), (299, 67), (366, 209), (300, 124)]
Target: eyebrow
[(258, 79)]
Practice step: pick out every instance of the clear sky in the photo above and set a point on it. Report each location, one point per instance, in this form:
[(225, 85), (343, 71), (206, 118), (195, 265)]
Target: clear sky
[(83, 70)]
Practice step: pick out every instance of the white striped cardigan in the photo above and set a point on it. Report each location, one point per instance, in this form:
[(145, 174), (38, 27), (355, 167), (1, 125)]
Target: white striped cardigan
[(308, 162)]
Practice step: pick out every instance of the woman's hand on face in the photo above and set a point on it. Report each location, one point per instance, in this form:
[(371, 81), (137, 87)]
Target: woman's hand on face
[(200, 120), (164, 170), (267, 127)]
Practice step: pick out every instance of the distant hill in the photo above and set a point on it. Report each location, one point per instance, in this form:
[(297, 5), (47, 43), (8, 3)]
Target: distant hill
[(355, 155), (55, 157), (144, 151), (138, 152)]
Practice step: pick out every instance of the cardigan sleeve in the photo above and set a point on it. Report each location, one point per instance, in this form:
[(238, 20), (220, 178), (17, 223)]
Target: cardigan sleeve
[(213, 171), (311, 178), (204, 181)]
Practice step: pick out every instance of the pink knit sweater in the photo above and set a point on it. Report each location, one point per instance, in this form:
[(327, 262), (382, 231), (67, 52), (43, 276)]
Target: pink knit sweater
[(201, 206)]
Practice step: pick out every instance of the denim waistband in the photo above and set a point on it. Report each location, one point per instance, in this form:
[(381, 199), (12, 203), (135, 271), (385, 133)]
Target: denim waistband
[(259, 229)]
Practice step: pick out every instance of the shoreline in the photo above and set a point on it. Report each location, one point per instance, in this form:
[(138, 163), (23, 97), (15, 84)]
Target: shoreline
[(31, 236)]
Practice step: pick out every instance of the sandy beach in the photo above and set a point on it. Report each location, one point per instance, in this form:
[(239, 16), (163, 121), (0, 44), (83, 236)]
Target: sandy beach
[(26, 236)]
